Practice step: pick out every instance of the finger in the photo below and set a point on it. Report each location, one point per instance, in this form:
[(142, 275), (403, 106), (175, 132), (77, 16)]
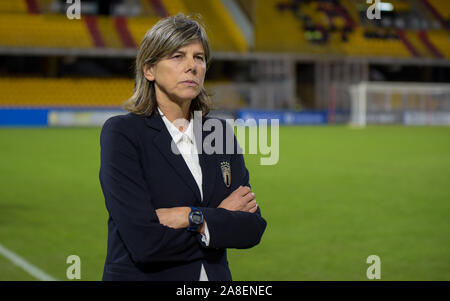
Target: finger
[(249, 197), (243, 190), (250, 205), (254, 209), (240, 188)]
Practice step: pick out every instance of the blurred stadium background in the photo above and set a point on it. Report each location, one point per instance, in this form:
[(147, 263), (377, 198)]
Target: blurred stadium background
[(372, 178)]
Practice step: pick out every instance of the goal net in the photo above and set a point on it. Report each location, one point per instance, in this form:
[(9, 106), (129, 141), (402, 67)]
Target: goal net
[(399, 103)]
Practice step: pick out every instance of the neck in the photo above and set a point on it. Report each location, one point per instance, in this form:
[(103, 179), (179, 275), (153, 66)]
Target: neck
[(174, 110)]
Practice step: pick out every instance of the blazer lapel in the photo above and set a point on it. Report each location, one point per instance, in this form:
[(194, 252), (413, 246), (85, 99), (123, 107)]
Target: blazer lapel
[(163, 142), (208, 164)]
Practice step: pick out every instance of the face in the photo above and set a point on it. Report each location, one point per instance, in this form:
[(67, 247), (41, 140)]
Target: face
[(179, 77)]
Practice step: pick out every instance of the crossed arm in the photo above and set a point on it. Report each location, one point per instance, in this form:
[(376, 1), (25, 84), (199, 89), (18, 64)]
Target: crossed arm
[(242, 199)]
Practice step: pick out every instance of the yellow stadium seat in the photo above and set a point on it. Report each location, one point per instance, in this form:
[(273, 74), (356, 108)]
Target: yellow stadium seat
[(41, 92), (223, 33), (138, 26), (25, 30), (442, 7), (441, 40), (361, 46), (13, 6)]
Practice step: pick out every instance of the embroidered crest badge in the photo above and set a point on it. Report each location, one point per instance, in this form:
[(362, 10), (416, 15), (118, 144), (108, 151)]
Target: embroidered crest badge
[(226, 173)]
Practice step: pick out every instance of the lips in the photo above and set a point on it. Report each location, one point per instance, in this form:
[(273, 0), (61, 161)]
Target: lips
[(189, 82)]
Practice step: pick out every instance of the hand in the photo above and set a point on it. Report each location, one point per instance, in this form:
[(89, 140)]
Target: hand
[(242, 199), (176, 217)]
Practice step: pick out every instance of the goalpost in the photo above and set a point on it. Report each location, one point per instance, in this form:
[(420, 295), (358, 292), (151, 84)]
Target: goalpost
[(399, 103)]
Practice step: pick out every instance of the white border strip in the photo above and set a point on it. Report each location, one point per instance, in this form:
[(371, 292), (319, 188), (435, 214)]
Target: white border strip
[(25, 265)]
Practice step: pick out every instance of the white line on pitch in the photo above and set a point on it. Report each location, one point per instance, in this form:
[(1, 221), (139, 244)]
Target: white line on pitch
[(25, 265)]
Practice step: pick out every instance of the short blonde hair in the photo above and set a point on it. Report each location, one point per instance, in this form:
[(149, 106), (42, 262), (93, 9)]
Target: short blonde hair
[(164, 38)]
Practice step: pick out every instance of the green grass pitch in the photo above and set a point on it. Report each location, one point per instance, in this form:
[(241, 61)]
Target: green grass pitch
[(336, 196)]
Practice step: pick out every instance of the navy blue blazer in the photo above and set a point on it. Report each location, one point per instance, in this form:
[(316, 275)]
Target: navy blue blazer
[(139, 173)]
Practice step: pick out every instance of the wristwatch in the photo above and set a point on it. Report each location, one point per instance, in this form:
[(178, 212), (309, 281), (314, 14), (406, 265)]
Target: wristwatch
[(195, 219)]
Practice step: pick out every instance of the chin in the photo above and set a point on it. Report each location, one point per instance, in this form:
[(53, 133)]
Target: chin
[(188, 96)]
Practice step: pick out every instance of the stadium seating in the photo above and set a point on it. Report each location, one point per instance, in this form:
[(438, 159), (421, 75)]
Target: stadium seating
[(421, 49), (138, 26), (67, 92), (175, 6), (279, 30), (38, 30), (318, 27), (324, 27), (374, 47), (222, 31), (13, 7), (147, 9), (440, 39), (107, 28), (55, 30), (91, 92), (442, 8)]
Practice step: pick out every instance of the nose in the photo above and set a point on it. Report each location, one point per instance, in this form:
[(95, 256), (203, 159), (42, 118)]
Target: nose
[(190, 65)]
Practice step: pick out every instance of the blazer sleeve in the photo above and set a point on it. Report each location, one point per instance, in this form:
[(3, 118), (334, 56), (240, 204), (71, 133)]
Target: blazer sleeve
[(235, 229), (129, 202)]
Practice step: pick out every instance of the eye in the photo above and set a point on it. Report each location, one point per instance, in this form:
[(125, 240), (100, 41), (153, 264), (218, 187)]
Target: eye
[(176, 56), (200, 58)]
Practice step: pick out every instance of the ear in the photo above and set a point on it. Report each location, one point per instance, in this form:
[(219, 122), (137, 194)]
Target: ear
[(149, 72)]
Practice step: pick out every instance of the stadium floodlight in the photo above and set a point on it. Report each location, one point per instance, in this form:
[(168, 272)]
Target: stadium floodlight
[(399, 103)]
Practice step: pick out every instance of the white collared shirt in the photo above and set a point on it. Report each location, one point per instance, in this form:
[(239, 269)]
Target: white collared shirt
[(185, 142)]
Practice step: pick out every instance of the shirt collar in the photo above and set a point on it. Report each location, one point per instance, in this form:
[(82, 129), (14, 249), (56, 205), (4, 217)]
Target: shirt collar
[(176, 134)]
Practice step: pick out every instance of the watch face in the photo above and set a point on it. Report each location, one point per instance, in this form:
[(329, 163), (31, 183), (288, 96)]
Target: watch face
[(196, 218)]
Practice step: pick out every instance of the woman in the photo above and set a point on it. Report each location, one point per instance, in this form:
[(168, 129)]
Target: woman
[(172, 214)]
